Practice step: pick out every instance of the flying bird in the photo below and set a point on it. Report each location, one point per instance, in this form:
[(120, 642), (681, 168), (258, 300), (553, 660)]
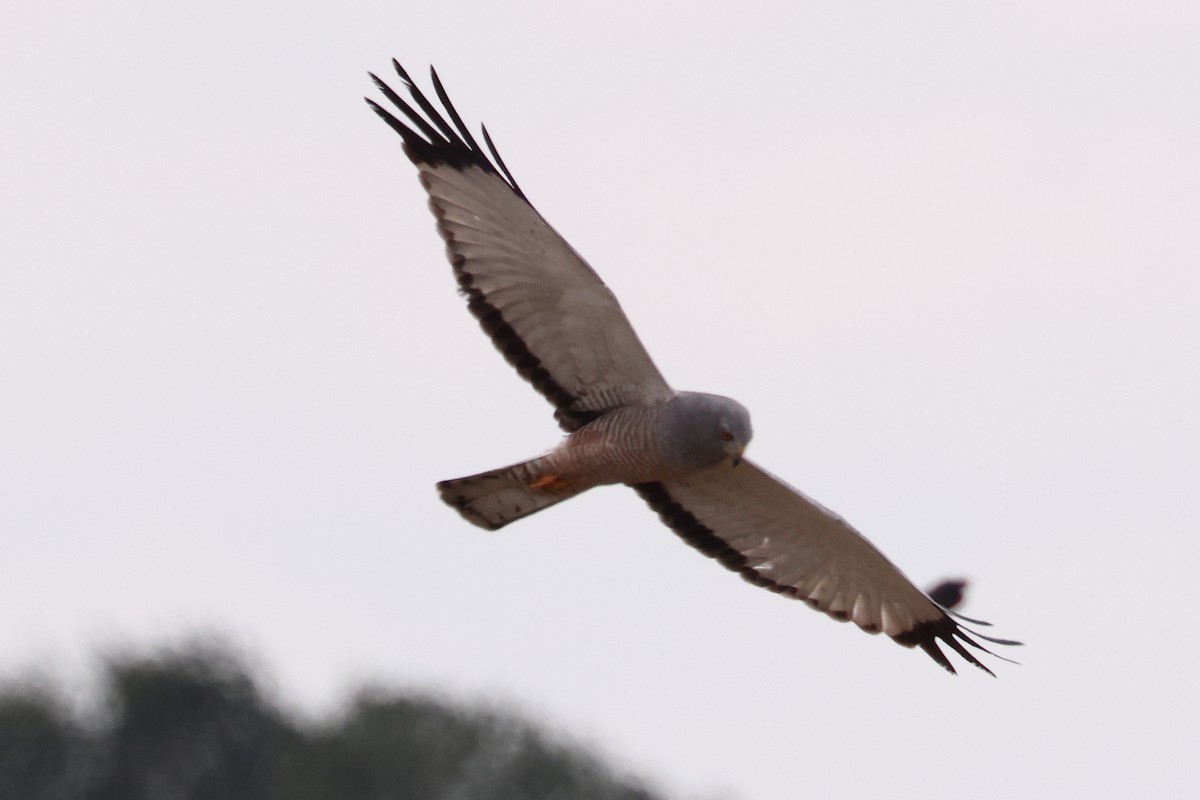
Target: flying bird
[(557, 323)]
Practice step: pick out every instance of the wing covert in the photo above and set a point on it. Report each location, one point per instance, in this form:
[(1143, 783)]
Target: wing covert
[(777, 538), (544, 308)]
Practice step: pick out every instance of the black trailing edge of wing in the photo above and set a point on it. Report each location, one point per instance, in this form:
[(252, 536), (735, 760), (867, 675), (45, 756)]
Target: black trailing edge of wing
[(701, 537), (434, 140)]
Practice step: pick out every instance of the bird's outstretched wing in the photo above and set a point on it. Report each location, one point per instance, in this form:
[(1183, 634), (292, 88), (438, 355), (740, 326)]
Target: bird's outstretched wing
[(775, 537), (544, 308)]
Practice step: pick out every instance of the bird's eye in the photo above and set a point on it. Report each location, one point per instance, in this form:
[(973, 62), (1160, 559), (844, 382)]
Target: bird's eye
[(726, 436)]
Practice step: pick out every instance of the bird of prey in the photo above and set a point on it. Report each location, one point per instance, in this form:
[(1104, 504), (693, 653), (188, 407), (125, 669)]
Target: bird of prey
[(556, 322)]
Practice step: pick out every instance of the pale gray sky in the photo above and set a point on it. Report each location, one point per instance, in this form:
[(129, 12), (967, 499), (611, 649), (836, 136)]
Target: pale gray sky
[(945, 253)]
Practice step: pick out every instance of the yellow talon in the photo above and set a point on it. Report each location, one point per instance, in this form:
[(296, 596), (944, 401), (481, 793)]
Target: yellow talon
[(550, 483)]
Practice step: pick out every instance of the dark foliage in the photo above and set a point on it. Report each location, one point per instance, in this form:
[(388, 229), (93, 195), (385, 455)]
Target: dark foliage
[(196, 725)]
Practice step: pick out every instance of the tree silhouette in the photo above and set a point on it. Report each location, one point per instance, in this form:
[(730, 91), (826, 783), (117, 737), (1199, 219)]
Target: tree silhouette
[(195, 725)]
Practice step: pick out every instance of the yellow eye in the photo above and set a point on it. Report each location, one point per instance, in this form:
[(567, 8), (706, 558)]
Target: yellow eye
[(726, 436)]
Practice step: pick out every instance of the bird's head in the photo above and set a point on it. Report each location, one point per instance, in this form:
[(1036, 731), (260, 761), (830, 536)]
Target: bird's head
[(733, 446), (703, 430)]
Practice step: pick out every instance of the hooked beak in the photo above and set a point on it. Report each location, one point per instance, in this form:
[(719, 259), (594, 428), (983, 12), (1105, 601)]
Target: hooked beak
[(737, 459)]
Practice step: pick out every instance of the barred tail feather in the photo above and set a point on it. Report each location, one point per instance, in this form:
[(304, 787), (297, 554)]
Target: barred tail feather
[(493, 499)]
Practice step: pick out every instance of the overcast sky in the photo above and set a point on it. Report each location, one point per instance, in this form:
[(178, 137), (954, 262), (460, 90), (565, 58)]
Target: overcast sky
[(946, 253)]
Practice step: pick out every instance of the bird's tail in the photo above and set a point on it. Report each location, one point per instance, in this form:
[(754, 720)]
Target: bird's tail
[(493, 499)]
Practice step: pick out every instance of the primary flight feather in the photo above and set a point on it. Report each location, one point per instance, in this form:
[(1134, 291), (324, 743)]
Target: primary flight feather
[(556, 322)]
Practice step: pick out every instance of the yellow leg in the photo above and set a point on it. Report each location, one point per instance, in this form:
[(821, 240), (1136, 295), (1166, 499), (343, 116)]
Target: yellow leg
[(550, 483)]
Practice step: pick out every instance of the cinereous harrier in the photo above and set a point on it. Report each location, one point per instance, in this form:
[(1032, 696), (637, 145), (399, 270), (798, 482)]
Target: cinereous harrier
[(562, 329)]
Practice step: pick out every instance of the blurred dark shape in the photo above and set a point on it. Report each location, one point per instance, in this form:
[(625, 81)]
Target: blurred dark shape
[(187, 725), (949, 593), (195, 725), (44, 752)]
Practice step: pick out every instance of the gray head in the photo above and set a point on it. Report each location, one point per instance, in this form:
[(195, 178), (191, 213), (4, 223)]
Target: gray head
[(702, 430)]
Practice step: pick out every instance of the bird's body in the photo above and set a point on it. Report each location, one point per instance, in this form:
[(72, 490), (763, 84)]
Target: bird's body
[(689, 433), (556, 322)]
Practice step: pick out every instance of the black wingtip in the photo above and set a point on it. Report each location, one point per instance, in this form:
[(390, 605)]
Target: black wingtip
[(412, 142), (487, 138), (928, 636), (463, 130), (402, 73), (432, 139)]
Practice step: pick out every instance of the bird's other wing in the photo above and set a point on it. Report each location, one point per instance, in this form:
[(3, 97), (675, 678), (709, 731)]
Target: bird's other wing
[(948, 593), (775, 537), (544, 308)]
